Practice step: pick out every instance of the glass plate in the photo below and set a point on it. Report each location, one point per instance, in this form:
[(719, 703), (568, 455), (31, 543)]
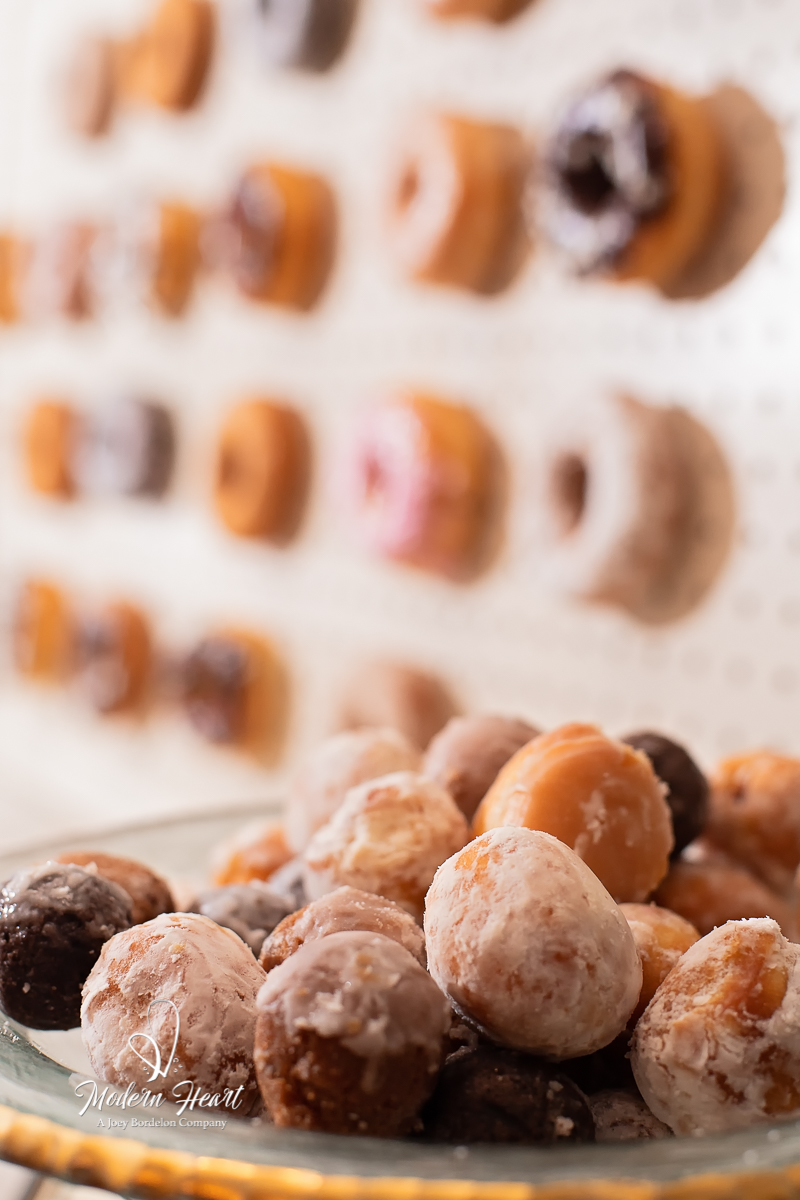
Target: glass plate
[(39, 1073)]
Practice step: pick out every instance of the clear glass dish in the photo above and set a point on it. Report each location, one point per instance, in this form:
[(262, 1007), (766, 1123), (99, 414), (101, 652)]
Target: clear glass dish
[(39, 1073)]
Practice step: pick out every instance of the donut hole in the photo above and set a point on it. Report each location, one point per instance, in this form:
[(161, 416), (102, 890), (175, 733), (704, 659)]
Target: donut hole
[(569, 486)]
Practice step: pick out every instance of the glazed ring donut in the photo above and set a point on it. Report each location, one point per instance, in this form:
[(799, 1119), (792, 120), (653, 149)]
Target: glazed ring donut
[(89, 90), (276, 238), (456, 209), (57, 280), (421, 480), (49, 439), (231, 688), (261, 472), (388, 695), (126, 448), (171, 61), (488, 10), (634, 180), (152, 251), (635, 507), (310, 34), (113, 657), (41, 631), (13, 261)]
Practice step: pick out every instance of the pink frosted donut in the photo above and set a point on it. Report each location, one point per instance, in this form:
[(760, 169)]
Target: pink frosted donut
[(420, 481)]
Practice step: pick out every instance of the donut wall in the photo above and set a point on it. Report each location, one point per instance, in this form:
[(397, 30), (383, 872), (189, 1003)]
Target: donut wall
[(555, 376)]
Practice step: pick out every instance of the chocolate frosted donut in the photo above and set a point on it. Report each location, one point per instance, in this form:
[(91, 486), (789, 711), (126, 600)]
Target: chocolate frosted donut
[(54, 921), (466, 756), (126, 449), (250, 909), (490, 1094), (229, 688), (632, 179), (688, 791), (310, 34)]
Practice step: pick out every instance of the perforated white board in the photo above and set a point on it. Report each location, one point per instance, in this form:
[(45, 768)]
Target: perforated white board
[(727, 677)]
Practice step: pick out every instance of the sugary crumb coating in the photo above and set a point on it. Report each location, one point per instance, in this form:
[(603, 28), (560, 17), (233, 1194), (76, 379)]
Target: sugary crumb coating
[(598, 796), (211, 977), (350, 1036), (388, 837), (661, 938), (719, 1045), (526, 941), (339, 763), (465, 756), (715, 890), (149, 893), (755, 814), (345, 909), (621, 1116)]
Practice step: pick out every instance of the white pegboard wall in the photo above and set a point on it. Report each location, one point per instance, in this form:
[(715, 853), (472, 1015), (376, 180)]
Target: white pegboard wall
[(726, 677)]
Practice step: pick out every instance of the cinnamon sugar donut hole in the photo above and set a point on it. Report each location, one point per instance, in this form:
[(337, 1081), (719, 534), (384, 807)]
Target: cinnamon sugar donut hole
[(113, 657), (719, 1045), (149, 893), (41, 635), (598, 796), (276, 238), (634, 180), (422, 482), (350, 1037), (262, 470), (171, 59), (487, 10), (455, 214), (661, 938), (49, 438), (716, 890), (388, 837), (256, 852), (391, 695), (755, 814), (526, 941), (333, 767), (465, 757), (345, 909), (233, 690)]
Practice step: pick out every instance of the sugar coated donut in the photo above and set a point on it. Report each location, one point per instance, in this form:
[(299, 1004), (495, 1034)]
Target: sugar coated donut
[(232, 685), (661, 938), (276, 238), (527, 942), (173, 56), (455, 212), (309, 34), (182, 979), (41, 631), (465, 757), (345, 909), (334, 766), (634, 506), (57, 280), (391, 695), (634, 180), (256, 852), (49, 438), (388, 836), (126, 448), (687, 787), (350, 1036), (89, 86), (719, 1045), (420, 482), (755, 814), (598, 796), (716, 890), (113, 654), (149, 893), (488, 10), (262, 469)]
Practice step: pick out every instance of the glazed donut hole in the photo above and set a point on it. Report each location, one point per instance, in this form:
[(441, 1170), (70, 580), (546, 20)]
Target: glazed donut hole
[(251, 910), (41, 631), (392, 695), (661, 938), (598, 796), (388, 837), (335, 765), (526, 941), (465, 757), (350, 1036), (716, 1048), (258, 850), (340, 911), (715, 890)]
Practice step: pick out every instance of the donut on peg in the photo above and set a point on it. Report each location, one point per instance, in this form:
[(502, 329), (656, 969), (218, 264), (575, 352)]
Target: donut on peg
[(633, 180), (14, 255), (422, 483), (456, 205), (89, 86), (41, 631), (276, 237), (309, 34), (487, 10), (171, 60), (126, 448), (262, 468), (113, 657), (57, 280), (150, 253), (50, 435), (392, 695), (231, 688), (465, 757)]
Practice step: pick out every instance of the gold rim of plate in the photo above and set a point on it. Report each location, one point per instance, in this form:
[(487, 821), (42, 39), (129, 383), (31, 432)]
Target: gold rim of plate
[(135, 1169)]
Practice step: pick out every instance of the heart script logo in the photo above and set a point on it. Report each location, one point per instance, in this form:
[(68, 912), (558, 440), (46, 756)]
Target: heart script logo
[(146, 1040)]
